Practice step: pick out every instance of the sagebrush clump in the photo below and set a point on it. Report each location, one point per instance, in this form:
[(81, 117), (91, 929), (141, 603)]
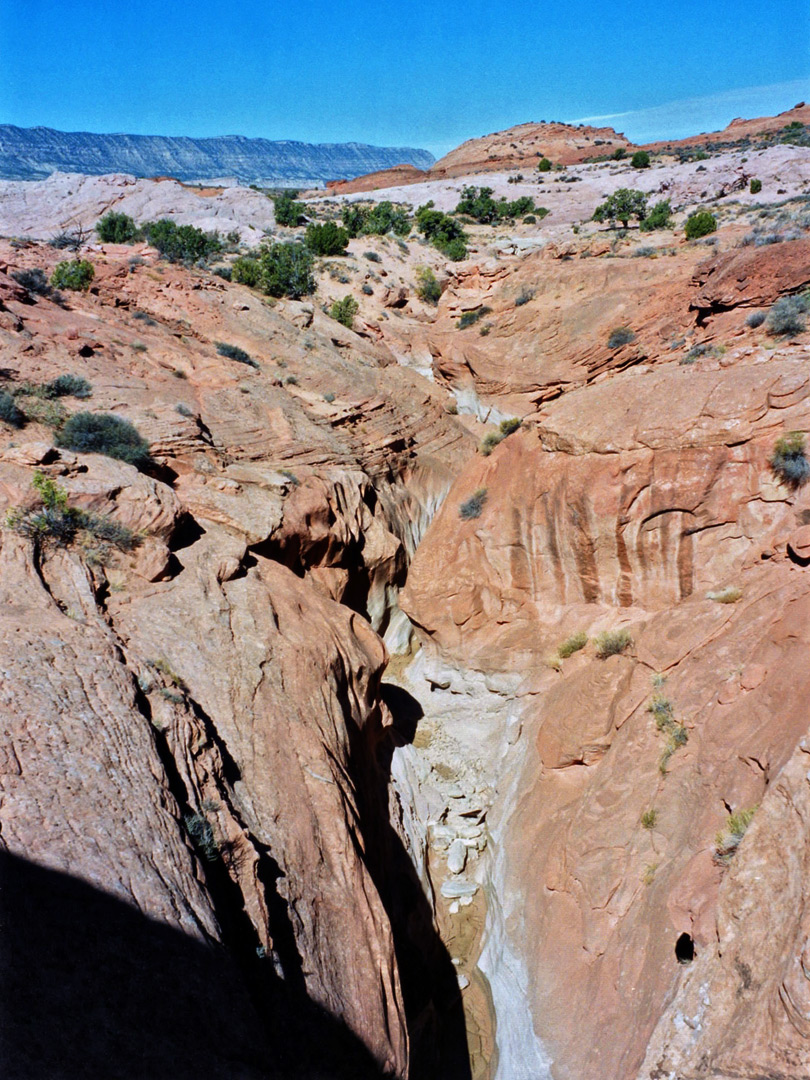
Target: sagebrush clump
[(786, 317), (612, 642), (572, 644), (789, 461), (473, 507), (728, 840), (103, 433), (233, 352)]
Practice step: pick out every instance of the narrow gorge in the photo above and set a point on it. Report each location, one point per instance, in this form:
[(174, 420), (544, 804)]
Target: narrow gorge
[(426, 698)]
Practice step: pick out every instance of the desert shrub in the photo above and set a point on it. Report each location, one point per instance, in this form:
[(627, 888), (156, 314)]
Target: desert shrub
[(116, 229), (644, 252), (472, 507), (427, 285), (366, 290), (201, 833), (54, 520), (288, 212), (233, 352), (700, 223), (327, 239), (728, 840), (76, 274), (640, 160), (183, 409), (35, 281), (443, 231), (67, 241), (494, 438), (372, 256), (9, 410), (376, 220), (660, 217), (181, 243), (286, 270), (755, 186), (344, 311), (730, 595), (612, 642), (662, 710), (246, 271), (572, 644), (224, 272), (103, 433), (469, 318), (621, 206), (544, 165), (622, 335), (525, 296), (703, 349), (788, 460), (649, 819), (42, 410), (755, 319), (530, 219), (67, 386), (786, 316)]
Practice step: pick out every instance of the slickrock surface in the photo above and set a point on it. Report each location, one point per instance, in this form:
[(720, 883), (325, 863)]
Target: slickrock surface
[(70, 201)]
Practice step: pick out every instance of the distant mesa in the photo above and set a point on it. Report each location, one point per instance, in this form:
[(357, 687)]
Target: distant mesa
[(36, 153)]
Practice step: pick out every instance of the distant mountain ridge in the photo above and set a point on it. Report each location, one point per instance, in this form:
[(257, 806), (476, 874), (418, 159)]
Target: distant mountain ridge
[(35, 153)]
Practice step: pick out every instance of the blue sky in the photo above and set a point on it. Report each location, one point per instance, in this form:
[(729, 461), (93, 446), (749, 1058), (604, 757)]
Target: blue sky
[(398, 73)]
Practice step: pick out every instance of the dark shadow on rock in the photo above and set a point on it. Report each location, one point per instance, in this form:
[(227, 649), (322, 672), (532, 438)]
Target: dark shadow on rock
[(92, 989), (430, 991)]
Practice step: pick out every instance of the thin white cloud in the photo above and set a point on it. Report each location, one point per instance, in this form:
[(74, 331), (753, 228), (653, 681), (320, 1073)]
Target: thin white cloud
[(675, 119)]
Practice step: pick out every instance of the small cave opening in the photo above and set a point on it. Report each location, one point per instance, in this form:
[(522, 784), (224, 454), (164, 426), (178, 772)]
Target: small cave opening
[(685, 949)]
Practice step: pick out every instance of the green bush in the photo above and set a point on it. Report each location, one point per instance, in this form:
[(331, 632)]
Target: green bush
[(181, 243), (443, 231), (789, 461), (755, 186), (116, 229), (473, 507), (427, 287), (103, 433), (233, 352), (224, 272), (640, 160), (9, 410), (246, 271), (376, 220), (660, 217), (286, 270), (621, 206), (700, 223), (327, 239), (622, 335), (479, 205), (755, 319), (619, 153), (544, 165), (344, 311), (787, 316), (287, 211), (76, 274)]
